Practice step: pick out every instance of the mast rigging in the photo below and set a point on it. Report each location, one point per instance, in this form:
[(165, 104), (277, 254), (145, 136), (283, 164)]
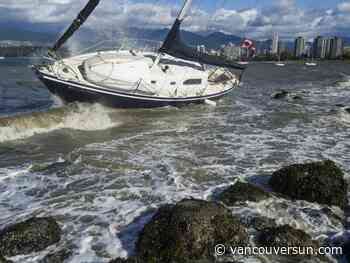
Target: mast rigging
[(77, 23)]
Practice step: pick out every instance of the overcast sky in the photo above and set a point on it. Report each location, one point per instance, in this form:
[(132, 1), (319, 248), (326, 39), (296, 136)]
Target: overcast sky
[(251, 18)]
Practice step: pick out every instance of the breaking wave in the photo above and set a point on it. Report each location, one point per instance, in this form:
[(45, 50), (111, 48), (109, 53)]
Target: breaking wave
[(76, 116), (344, 115)]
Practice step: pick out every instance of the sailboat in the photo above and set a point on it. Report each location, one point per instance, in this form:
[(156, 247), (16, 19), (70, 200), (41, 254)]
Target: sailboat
[(174, 75), (279, 63), (312, 63)]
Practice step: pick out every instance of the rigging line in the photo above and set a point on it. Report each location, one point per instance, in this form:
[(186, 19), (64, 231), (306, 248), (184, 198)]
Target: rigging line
[(124, 33), (184, 74)]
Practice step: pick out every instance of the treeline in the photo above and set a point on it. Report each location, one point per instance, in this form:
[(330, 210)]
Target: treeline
[(286, 56), (21, 51), (27, 51)]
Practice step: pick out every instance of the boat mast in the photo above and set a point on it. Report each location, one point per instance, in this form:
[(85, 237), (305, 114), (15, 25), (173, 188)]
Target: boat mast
[(181, 16), (77, 23), (174, 46), (175, 27), (184, 10)]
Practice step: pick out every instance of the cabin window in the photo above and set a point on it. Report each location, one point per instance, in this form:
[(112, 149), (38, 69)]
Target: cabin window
[(153, 82), (193, 82), (173, 83)]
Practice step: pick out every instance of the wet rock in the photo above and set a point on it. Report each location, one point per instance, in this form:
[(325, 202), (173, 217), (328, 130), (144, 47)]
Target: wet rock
[(319, 182), (259, 223), (297, 97), (189, 231), (241, 192), (207, 261), (340, 105), (59, 168), (280, 95), (30, 236), (286, 236), (4, 260), (134, 260), (129, 260), (57, 257)]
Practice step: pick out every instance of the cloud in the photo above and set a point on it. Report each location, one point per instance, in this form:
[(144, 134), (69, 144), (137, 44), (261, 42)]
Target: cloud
[(283, 16), (38, 11), (289, 20), (344, 7)]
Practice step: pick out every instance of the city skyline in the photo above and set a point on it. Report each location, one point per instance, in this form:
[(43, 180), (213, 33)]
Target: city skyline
[(252, 18), (321, 48)]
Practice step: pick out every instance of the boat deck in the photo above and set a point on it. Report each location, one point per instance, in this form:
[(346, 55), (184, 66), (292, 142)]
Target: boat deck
[(136, 73)]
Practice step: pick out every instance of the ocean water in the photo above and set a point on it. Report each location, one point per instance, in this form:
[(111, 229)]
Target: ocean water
[(103, 172)]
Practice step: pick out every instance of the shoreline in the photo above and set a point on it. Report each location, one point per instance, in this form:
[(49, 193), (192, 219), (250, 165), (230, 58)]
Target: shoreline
[(190, 229)]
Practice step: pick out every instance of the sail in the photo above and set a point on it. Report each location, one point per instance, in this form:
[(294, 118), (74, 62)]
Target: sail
[(81, 18), (174, 46)]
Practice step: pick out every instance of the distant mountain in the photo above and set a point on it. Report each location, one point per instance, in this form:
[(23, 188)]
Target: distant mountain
[(210, 40), (49, 33), (18, 34), (218, 39), (213, 40)]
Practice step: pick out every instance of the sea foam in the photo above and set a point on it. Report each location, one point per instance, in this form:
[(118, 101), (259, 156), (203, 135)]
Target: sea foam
[(76, 116)]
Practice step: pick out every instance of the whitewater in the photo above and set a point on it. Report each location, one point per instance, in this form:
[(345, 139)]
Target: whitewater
[(103, 172)]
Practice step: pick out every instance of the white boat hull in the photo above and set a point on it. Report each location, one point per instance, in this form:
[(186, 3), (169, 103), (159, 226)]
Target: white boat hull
[(70, 92), (78, 88)]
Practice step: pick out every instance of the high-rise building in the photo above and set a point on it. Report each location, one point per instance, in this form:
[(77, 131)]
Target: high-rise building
[(275, 41), (201, 48), (328, 47), (308, 50), (319, 47), (299, 50), (233, 52), (336, 48), (282, 47)]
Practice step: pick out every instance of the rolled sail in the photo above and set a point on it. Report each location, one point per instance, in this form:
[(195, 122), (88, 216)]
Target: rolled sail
[(77, 23), (174, 46)]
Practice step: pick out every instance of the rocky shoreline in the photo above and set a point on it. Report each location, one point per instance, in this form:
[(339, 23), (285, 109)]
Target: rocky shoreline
[(189, 230)]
